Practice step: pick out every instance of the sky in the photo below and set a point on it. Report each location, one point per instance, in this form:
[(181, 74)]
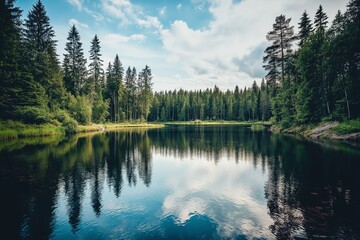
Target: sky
[(188, 44)]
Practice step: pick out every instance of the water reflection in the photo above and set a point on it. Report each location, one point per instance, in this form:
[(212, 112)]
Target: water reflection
[(184, 182)]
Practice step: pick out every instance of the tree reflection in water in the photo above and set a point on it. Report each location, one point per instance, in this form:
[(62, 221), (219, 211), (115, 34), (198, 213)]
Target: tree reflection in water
[(312, 190)]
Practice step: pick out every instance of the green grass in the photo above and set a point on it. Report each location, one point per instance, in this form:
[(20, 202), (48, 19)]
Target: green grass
[(351, 126), (13, 129), (89, 128)]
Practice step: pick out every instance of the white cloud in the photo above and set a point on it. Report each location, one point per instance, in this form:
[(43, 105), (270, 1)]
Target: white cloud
[(129, 13), (150, 22), (179, 6), (162, 11), (225, 51), (114, 39), (76, 3), (77, 23), (97, 16)]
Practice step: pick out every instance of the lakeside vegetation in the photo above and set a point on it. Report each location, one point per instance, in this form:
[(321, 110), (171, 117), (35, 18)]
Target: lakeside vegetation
[(306, 85), (14, 130), (319, 80)]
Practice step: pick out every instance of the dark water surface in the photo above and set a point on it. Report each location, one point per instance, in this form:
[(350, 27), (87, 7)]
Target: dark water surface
[(179, 183)]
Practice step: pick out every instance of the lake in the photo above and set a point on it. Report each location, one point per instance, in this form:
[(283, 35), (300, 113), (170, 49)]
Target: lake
[(184, 182)]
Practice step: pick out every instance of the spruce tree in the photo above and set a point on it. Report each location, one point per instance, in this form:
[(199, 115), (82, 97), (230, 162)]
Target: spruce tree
[(305, 27), (352, 34), (115, 88), (96, 78), (145, 91), (320, 20), (10, 55), (74, 64), (41, 55), (128, 93)]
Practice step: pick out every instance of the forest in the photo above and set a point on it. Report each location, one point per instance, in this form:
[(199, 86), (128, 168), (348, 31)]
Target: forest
[(312, 76)]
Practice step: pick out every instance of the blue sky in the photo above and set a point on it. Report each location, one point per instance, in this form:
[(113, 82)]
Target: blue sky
[(189, 44)]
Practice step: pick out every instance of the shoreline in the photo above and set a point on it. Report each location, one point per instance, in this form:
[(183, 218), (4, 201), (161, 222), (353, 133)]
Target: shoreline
[(327, 130), (17, 130), (334, 130)]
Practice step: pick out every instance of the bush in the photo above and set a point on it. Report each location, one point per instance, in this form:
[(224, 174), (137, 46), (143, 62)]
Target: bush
[(67, 121), (100, 110), (80, 109), (70, 126), (32, 115), (351, 126)]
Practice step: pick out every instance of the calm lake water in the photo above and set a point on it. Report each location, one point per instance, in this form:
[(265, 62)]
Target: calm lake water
[(179, 183)]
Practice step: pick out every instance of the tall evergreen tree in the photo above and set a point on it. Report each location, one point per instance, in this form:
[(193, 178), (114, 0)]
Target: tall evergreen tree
[(10, 54), (74, 64), (278, 58), (116, 88), (281, 38), (41, 55), (271, 65), (305, 27), (352, 34), (96, 78), (145, 92), (320, 20)]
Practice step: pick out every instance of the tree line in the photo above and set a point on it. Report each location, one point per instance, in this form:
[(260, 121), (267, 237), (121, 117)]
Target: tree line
[(248, 104), (36, 88), (320, 79), (311, 76)]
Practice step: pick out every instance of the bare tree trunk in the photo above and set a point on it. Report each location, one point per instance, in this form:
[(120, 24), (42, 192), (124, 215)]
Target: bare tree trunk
[(347, 103), (346, 97)]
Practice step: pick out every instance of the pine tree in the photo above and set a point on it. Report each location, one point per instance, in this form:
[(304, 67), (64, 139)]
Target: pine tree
[(10, 55), (41, 55), (277, 60), (320, 20), (145, 92), (352, 34), (305, 27), (74, 64), (117, 89), (271, 65), (96, 78)]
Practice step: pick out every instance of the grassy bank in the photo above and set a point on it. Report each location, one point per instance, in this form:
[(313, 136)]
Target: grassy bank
[(199, 122), (14, 129), (347, 130)]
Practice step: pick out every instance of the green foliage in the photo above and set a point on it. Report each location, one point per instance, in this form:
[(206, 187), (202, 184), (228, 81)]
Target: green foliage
[(80, 109), (100, 110), (32, 114), (74, 64), (15, 129), (320, 82), (69, 124), (352, 126)]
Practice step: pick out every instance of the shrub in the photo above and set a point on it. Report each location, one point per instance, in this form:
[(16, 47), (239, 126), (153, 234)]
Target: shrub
[(80, 109), (70, 126), (29, 114), (100, 110)]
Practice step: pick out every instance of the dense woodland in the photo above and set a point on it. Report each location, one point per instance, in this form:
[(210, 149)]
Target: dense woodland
[(320, 79), (312, 75)]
